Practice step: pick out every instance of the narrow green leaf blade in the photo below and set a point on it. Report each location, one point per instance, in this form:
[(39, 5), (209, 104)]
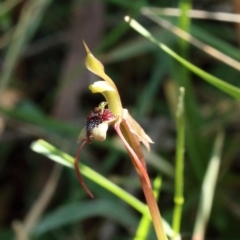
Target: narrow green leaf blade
[(217, 82)]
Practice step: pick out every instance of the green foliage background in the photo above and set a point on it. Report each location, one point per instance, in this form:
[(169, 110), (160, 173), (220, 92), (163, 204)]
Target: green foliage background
[(44, 94)]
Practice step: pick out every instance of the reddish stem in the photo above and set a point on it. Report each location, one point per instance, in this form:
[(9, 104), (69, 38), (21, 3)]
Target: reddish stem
[(76, 166), (141, 169)]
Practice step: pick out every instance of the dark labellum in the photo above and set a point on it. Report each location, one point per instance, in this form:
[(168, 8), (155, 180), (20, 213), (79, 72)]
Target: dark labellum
[(96, 117)]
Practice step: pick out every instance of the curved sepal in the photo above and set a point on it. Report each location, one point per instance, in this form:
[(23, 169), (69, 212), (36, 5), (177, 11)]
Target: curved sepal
[(95, 66)]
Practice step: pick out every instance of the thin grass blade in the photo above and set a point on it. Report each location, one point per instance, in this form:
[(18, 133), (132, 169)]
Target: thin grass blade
[(44, 148), (217, 82), (208, 189)]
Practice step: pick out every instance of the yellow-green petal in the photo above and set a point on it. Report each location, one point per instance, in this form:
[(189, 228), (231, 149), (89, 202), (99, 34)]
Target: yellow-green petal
[(95, 66), (101, 86), (110, 94)]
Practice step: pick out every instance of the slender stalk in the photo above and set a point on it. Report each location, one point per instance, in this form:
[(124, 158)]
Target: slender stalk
[(154, 210), (178, 197), (132, 142), (184, 24), (145, 223)]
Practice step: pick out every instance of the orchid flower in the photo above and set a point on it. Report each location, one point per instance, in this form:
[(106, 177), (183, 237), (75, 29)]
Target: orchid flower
[(129, 131)]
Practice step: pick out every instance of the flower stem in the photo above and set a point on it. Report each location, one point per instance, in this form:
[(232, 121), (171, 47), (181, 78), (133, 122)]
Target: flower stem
[(133, 146), (154, 210), (179, 198), (145, 223)]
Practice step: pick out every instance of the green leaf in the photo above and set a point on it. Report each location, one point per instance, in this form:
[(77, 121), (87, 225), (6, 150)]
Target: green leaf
[(71, 213)]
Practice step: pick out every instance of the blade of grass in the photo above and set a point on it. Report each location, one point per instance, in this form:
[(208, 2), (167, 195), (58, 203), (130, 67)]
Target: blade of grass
[(184, 24), (57, 155), (218, 43), (217, 82), (46, 149), (31, 15), (208, 188), (218, 16), (200, 31), (178, 196), (194, 41), (195, 143)]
